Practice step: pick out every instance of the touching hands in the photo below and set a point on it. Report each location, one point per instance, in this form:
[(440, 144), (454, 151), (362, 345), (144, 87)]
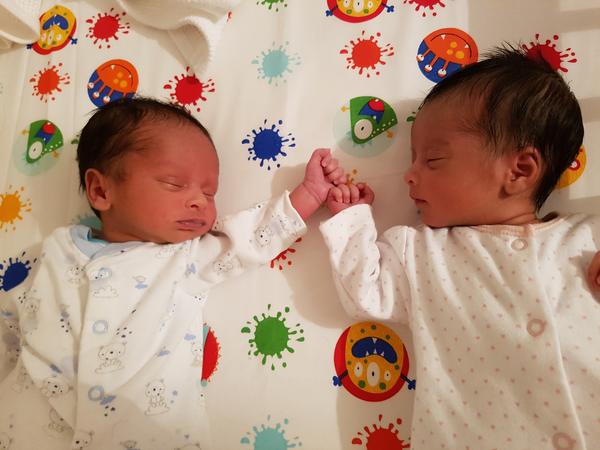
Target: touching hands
[(322, 173), (593, 274), (346, 195)]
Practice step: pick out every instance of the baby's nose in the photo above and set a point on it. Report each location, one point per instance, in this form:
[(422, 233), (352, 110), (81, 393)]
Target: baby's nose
[(410, 176), (197, 201)]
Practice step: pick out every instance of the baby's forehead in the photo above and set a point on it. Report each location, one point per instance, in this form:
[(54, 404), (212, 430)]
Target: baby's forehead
[(176, 149), (154, 135)]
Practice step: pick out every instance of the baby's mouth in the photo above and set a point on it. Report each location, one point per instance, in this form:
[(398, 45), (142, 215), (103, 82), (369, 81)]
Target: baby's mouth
[(191, 224)]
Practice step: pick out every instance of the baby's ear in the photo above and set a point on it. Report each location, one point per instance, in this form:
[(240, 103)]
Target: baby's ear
[(524, 171), (96, 189)]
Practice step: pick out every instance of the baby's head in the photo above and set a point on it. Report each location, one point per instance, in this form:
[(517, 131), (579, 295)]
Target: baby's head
[(491, 141), (150, 171)]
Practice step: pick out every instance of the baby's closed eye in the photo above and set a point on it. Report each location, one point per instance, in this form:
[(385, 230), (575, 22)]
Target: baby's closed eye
[(435, 161), (171, 183)]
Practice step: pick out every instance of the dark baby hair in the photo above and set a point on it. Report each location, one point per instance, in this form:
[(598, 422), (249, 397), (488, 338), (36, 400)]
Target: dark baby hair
[(519, 101), (120, 127)]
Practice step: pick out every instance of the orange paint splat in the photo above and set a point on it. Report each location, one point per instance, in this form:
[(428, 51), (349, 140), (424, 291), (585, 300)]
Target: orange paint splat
[(283, 257), (366, 54), (350, 177), (48, 81), (11, 206), (548, 52), (381, 438)]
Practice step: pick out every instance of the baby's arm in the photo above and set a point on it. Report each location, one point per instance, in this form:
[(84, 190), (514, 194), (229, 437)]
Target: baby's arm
[(255, 236), (593, 274), (369, 273), (322, 173), (346, 195)]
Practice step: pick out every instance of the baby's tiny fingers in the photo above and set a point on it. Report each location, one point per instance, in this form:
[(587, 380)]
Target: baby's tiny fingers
[(331, 166), (326, 160), (354, 193), (336, 194), (336, 175), (366, 193), (345, 190)]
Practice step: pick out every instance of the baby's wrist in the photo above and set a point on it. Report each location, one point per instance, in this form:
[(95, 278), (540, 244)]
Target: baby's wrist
[(305, 201), (312, 191)]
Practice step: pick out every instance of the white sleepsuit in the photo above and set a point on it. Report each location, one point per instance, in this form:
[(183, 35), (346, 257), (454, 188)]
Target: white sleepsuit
[(111, 346), (506, 333)]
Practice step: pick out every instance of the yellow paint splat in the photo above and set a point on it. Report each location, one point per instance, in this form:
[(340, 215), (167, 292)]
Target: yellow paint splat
[(11, 207), (351, 176)]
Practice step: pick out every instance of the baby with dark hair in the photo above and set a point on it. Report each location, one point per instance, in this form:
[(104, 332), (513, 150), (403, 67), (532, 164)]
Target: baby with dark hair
[(505, 328), (110, 320)]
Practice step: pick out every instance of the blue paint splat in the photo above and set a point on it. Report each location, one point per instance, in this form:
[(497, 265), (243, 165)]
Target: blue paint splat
[(189, 337), (267, 144), (13, 273), (276, 63), (270, 438), (55, 368)]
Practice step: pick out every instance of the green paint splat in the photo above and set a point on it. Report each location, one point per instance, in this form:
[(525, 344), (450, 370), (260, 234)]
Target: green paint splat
[(273, 4), (271, 336), (270, 437)]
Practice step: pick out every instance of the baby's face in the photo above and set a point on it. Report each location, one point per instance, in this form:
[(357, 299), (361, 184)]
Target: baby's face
[(168, 191), (453, 179)]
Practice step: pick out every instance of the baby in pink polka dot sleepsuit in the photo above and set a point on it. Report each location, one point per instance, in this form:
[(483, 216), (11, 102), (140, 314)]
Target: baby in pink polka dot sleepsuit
[(506, 331)]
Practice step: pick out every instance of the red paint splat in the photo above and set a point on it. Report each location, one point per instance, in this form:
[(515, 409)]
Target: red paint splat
[(187, 89), (381, 438), (425, 4), (48, 81), (366, 54), (210, 355), (283, 257), (549, 53), (106, 26)]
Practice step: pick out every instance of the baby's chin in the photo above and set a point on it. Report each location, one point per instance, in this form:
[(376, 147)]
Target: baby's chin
[(437, 222), (181, 236), (431, 222), (170, 237)]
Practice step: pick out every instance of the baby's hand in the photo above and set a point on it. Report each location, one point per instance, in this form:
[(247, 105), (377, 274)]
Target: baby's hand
[(593, 274), (322, 173), (346, 195)]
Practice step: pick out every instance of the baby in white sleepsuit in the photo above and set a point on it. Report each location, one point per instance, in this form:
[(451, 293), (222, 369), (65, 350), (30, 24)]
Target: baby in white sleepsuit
[(506, 331), (110, 320)]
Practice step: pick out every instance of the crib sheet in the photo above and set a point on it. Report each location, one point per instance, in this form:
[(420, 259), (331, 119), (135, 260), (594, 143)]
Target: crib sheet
[(287, 76)]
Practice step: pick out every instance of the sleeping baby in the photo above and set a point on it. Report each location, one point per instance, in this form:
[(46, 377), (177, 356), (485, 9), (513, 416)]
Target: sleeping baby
[(505, 328), (114, 316)]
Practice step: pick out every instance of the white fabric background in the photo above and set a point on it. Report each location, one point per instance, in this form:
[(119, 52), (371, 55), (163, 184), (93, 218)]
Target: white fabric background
[(243, 393)]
